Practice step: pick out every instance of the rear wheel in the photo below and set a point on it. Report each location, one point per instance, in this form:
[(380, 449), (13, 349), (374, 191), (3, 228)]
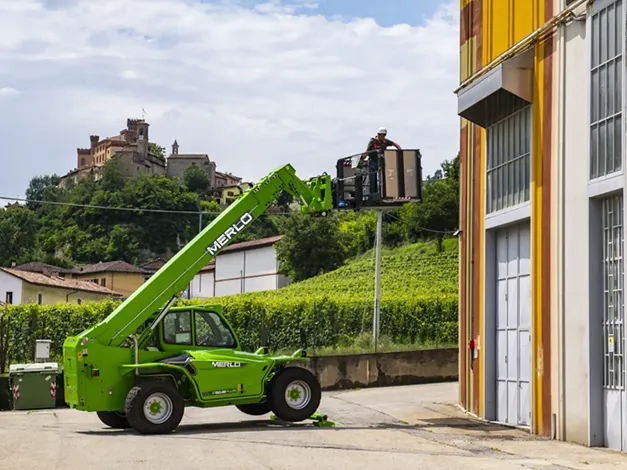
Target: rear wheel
[(154, 407), (113, 419), (295, 394), (255, 409)]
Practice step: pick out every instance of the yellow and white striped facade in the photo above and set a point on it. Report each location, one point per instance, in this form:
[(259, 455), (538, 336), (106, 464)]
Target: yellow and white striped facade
[(541, 101)]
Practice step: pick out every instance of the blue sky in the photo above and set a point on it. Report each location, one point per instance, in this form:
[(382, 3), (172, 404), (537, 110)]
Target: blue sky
[(272, 83), (384, 12)]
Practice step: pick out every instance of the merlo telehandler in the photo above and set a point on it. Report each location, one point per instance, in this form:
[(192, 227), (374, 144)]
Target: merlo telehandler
[(149, 359)]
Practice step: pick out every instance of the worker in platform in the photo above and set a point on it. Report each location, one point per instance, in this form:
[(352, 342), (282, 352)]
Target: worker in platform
[(374, 151)]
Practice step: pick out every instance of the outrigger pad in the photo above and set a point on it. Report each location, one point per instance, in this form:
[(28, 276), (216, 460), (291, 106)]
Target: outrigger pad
[(319, 420)]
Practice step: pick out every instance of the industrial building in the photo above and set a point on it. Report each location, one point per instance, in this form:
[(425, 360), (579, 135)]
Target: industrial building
[(542, 315)]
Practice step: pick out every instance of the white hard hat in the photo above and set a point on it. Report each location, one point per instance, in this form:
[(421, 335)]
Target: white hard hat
[(382, 130)]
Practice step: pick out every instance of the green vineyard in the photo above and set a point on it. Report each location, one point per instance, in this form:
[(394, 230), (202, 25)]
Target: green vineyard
[(327, 313)]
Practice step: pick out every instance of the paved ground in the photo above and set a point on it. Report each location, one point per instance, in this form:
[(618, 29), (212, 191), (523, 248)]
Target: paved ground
[(415, 427)]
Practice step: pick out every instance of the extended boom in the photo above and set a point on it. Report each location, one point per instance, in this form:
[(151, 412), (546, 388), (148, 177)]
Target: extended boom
[(173, 278)]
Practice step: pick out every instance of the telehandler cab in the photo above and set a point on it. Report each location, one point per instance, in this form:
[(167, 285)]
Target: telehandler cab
[(148, 360)]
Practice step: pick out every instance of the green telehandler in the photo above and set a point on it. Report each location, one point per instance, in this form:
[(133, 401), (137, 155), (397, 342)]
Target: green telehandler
[(149, 359)]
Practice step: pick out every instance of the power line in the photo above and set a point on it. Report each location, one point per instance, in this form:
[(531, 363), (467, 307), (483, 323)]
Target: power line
[(131, 209), (169, 211), (422, 228)]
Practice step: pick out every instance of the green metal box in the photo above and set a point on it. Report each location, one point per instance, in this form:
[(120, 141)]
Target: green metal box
[(34, 386)]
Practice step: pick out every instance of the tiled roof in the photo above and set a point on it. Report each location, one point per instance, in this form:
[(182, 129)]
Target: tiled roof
[(190, 155), (38, 267), (252, 244), (59, 282), (110, 266), (154, 265), (211, 266)]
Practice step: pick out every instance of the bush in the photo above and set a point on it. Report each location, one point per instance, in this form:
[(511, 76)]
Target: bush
[(258, 320)]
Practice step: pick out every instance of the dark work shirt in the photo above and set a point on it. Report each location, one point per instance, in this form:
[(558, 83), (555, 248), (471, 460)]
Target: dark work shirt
[(376, 144)]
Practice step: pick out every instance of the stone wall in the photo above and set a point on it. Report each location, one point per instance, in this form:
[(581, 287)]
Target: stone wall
[(384, 369)]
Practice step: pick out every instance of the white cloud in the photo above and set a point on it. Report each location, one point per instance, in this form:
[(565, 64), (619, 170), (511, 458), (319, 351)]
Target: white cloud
[(130, 75), (253, 88), (8, 92)]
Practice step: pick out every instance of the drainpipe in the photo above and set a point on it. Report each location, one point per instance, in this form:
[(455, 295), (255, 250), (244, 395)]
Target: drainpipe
[(67, 297), (558, 431)]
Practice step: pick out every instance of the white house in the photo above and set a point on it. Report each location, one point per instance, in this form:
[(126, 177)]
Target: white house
[(242, 267), (25, 287)]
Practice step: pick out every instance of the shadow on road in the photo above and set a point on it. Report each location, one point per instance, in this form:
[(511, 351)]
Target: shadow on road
[(229, 427), (478, 428)]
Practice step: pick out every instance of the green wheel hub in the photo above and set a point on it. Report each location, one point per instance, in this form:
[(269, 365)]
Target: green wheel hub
[(158, 408), (297, 394)]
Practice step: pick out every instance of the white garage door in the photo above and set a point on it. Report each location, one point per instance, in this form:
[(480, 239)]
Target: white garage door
[(513, 325)]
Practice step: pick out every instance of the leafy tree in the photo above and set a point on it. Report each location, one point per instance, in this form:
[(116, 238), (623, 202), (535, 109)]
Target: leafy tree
[(157, 150), (196, 180), (18, 234), (209, 206), (37, 187), (311, 246), (284, 200)]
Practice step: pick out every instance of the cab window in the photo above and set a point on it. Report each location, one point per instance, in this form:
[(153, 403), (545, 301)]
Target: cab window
[(211, 331), (177, 328)]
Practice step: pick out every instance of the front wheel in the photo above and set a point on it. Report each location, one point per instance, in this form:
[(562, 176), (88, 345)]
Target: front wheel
[(154, 407), (295, 394)]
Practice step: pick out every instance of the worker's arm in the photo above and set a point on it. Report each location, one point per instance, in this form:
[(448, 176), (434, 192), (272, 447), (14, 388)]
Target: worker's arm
[(173, 278), (394, 144)]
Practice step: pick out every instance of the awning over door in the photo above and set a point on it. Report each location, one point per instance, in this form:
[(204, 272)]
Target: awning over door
[(503, 90)]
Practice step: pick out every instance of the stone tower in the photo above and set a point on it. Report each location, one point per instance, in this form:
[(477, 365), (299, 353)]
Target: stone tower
[(142, 138)]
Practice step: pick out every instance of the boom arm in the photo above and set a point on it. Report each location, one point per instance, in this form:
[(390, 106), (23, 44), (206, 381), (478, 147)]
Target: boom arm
[(166, 284)]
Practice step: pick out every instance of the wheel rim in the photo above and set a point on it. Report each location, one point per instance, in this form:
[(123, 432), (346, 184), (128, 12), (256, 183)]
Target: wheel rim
[(158, 408), (297, 395)]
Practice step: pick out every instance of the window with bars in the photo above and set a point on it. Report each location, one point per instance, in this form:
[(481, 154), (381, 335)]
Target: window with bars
[(508, 165), (606, 77), (613, 281)]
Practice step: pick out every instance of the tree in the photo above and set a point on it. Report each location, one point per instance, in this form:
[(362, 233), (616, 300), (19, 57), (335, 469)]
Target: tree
[(437, 214), (157, 150), (310, 246), (18, 235), (196, 180), (37, 187)]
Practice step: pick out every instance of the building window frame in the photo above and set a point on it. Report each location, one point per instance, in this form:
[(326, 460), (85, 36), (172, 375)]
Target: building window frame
[(599, 12), (521, 210)]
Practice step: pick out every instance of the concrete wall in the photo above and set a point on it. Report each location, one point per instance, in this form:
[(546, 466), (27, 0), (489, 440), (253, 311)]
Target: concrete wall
[(123, 283), (9, 283), (177, 165), (203, 285), (576, 235), (54, 295), (383, 369), (248, 271)]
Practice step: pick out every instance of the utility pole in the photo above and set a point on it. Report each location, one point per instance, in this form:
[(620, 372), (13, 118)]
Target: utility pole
[(377, 283)]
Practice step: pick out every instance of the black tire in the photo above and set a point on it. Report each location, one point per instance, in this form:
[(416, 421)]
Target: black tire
[(300, 407), (113, 419), (255, 409), (168, 397)]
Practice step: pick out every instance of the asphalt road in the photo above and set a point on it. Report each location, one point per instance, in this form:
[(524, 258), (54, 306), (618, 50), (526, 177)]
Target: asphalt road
[(411, 427)]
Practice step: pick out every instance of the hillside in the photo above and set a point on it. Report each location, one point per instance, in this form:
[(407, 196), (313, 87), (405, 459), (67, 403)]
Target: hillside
[(411, 271)]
